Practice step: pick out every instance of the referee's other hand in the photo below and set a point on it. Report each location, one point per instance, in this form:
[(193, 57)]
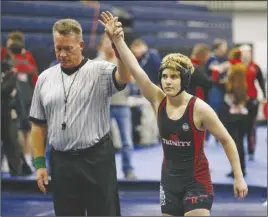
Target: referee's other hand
[(42, 179)]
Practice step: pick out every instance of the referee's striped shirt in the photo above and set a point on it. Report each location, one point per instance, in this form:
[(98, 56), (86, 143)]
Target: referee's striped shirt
[(87, 113)]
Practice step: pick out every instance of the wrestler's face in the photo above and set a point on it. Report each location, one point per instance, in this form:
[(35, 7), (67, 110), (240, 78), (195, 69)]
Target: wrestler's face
[(171, 82), (68, 49)]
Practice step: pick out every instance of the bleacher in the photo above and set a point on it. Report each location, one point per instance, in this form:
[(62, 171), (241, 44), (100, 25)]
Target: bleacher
[(159, 4), (168, 26), (150, 20), (162, 24)]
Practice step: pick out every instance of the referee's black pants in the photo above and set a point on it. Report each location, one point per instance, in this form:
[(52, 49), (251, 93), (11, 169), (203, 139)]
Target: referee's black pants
[(84, 182)]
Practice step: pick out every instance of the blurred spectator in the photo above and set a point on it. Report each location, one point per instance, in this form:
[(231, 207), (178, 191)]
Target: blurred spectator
[(25, 65), (149, 59), (253, 73), (119, 110), (11, 148), (19, 37), (218, 56), (200, 82), (234, 113), (216, 93), (234, 56)]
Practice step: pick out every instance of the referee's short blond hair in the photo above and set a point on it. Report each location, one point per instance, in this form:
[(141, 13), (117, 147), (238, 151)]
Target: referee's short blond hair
[(68, 26)]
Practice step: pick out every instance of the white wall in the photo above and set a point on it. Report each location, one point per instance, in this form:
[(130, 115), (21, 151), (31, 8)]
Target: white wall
[(251, 27)]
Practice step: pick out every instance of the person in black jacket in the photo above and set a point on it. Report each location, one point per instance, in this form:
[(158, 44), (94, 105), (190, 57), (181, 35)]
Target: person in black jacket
[(11, 148), (200, 81)]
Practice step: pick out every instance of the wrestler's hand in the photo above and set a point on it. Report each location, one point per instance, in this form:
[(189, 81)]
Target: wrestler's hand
[(42, 179), (240, 188), (113, 28)]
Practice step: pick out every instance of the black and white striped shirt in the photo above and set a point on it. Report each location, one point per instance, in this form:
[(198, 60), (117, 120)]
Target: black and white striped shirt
[(87, 109)]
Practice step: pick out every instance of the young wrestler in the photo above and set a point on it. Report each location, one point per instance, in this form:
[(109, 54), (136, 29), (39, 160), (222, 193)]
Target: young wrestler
[(186, 187)]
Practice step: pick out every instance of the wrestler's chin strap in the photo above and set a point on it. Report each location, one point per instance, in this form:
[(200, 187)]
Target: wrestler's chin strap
[(179, 92)]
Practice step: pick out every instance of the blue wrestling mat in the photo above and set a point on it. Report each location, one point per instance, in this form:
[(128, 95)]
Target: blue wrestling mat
[(133, 203), (21, 196)]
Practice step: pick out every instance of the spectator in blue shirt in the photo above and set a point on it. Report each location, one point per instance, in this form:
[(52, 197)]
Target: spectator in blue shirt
[(149, 59), (216, 93), (218, 56)]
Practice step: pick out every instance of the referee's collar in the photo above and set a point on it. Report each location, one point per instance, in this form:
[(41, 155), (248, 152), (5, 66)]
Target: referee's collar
[(73, 70)]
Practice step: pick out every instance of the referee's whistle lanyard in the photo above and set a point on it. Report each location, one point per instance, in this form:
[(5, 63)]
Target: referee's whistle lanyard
[(64, 124)]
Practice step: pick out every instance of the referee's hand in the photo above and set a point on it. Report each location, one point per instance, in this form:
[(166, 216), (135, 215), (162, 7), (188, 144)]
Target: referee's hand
[(42, 179)]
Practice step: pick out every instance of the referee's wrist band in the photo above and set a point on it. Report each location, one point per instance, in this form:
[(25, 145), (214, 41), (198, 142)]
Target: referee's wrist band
[(39, 162)]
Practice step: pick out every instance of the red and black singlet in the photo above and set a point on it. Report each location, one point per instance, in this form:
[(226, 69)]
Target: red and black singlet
[(184, 159)]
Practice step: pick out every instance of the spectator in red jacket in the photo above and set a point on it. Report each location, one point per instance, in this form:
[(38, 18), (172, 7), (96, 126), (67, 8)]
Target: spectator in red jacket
[(19, 37), (24, 64)]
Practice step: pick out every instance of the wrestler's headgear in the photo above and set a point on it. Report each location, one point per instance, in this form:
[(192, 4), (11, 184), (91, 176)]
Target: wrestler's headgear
[(184, 73)]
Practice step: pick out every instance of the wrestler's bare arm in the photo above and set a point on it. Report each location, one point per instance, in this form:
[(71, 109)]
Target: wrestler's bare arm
[(206, 118), (149, 90)]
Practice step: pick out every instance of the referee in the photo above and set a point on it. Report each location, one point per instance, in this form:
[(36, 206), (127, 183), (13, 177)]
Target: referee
[(70, 106)]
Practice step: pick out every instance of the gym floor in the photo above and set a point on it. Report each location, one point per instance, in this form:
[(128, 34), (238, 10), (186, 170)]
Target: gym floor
[(144, 201), (133, 203)]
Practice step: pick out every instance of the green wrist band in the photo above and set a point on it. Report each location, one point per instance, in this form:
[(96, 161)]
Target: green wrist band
[(40, 162)]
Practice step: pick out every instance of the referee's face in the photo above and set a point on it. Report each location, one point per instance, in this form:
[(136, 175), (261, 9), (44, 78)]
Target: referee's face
[(68, 49)]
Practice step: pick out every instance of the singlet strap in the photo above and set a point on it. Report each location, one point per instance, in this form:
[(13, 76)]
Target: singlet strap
[(191, 112), (162, 105)]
